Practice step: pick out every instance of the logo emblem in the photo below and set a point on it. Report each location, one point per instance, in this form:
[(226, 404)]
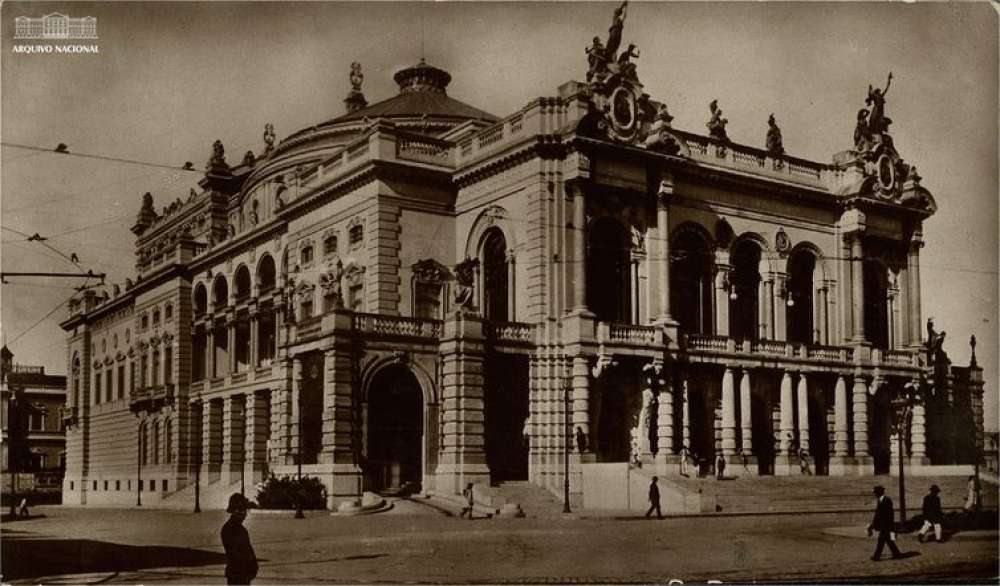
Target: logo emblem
[(55, 26)]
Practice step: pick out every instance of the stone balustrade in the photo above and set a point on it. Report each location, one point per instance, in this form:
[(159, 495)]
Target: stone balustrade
[(390, 325), (510, 331)]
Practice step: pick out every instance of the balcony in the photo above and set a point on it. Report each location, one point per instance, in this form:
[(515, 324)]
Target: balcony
[(396, 326), (151, 398), (509, 333)]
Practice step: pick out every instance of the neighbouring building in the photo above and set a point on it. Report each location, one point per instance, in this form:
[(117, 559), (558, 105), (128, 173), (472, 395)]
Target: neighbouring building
[(417, 291), (34, 436), (990, 451)]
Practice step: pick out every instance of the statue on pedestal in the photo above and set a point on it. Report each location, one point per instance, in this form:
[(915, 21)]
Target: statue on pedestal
[(775, 148), (717, 124)]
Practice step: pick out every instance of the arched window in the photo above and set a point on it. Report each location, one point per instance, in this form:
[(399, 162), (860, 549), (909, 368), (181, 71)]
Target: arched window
[(608, 286), (744, 313), (200, 300), (220, 293), (168, 313), (242, 283), (495, 290), (306, 255), (691, 283), (156, 317), (266, 274), (876, 304), (799, 297), (330, 245)]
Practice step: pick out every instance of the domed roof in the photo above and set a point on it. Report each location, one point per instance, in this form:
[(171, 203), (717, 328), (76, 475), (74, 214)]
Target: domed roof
[(421, 93)]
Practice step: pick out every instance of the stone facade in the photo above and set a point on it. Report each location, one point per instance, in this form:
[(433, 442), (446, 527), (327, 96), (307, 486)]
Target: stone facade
[(418, 292)]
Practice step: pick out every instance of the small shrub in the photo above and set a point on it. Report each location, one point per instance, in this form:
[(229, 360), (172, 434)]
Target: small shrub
[(283, 492)]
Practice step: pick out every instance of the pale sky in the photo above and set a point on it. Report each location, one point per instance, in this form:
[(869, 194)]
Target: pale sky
[(173, 77)]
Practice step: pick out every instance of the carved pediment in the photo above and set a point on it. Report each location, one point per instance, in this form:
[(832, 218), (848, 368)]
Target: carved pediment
[(430, 271)]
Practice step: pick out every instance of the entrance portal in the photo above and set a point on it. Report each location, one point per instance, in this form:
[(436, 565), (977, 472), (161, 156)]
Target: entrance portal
[(395, 429), (819, 432), (879, 430), (762, 439), (506, 409)]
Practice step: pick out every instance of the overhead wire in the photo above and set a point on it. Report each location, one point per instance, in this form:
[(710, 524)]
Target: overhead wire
[(67, 152), (43, 318)]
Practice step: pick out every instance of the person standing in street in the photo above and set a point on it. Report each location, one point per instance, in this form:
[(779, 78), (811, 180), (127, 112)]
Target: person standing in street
[(972, 498), (932, 515), (241, 562), (654, 499), (720, 467), (470, 499), (883, 522), (684, 455)]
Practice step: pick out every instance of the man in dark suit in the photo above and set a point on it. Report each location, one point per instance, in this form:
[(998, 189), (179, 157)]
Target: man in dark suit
[(883, 522), (241, 562), (932, 515), (654, 499)]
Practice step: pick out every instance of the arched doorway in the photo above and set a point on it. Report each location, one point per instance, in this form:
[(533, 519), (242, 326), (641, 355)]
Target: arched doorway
[(395, 429), (608, 279), (495, 286), (744, 312), (691, 283), (799, 299)]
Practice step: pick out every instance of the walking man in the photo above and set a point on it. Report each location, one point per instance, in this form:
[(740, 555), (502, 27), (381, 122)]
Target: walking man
[(654, 499), (932, 515), (241, 562), (470, 499), (883, 522)]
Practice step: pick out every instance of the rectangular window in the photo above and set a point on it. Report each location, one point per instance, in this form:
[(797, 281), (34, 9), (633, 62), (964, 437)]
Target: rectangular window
[(307, 309), (118, 485), (156, 368), (105, 486), (37, 421), (168, 365), (143, 367), (72, 485), (95, 486), (97, 389), (121, 381), (152, 485), (164, 484), (108, 387), (357, 297), (131, 375)]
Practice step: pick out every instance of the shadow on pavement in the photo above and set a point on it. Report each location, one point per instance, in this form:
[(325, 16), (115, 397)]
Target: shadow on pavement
[(27, 557)]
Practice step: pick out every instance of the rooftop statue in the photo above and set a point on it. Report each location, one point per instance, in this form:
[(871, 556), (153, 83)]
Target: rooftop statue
[(717, 124), (600, 56), (218, 160), (357, 78), (268, 137), (878, 122), (625, 65), (775, 148), (862, 134)]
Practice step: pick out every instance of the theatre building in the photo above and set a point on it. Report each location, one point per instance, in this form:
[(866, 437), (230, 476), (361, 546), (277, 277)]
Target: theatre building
[(418, 292)]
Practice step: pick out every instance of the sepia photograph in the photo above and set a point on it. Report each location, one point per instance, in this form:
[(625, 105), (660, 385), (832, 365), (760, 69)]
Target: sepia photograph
[(454, 292)]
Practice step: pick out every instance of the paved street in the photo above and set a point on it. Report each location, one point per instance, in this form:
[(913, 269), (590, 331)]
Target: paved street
[(415, 543)]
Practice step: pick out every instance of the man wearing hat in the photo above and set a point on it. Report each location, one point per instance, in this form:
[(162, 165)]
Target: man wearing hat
[(241, 562), (932, 515), (883, 522)]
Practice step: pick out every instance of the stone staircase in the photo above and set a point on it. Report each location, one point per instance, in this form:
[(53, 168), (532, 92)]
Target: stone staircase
[(764, 494), (535, 501)]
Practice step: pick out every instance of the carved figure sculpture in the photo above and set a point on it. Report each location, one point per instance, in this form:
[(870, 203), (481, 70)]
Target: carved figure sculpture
[(218, 155), (775, 148), (268, 137), (862, 134), (645, 421), (625, 65), (597, 59), (878, 122), (330, 283), (357, 78), (615, 32), (464, 283), (717, 124)]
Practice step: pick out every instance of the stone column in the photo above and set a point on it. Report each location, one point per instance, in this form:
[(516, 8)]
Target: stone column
[(581, 397), (257, 432), (233, 437), (254, 335), (579, 259), (338, 412), (666, 191), (918, 438), (511, 287), (803, 400), (231, 347), (728, 413), (664, 416), (768, 321), (787, 415), (858, 286), (209, 354), (913, 292), (295, 398), (634, 290), (859, 395), (823, 316), (840, 429), (462, 458), (780, 306), (212, 421), (722, 277), (746, 412)]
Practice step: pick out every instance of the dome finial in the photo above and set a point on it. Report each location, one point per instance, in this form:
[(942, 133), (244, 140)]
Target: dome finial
[(422, 78), (355, 100)]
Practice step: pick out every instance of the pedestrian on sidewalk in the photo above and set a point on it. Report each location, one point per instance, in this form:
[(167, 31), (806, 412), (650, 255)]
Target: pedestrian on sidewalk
[(654, 499), (804, 462), (22, 509), (241, 562), (972, 497), (470, 499), (685, 454), (746, 461), (720, 467), (883, 522), (932, 515)]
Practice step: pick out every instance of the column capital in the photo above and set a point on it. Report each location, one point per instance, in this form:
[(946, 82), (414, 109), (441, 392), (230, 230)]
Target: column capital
[(664, 189), (853, 221), (577, 187)]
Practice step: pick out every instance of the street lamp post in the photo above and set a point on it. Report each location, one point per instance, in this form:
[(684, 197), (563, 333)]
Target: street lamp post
[(902, 405), (138, 464), (197, 468), (568, 439), (298, 493)]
